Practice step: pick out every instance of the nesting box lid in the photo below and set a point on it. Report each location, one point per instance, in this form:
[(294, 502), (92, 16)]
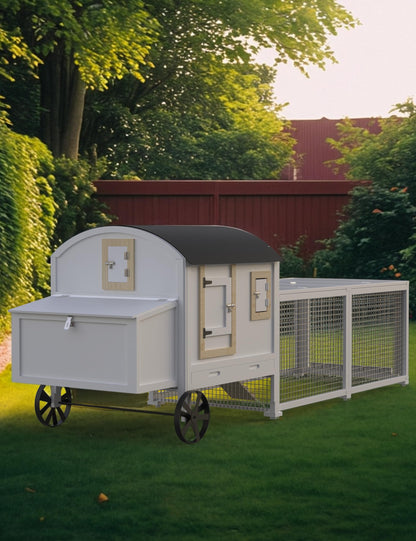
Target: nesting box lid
[(214, 244)]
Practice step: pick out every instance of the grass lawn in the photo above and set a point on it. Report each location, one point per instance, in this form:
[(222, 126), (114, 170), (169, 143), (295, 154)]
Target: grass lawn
[(338, 470)]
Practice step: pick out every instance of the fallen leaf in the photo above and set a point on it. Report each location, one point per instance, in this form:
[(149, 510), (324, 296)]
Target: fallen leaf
[(377, 211), (394, 434), (31, 490), (102, 497)]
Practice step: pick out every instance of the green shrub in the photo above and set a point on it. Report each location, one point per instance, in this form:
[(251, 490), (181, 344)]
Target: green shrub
[(294, 263), (26, 220), (376, 240), (78, 209)]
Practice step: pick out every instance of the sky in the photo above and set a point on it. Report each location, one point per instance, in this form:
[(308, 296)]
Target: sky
[(376, 66)]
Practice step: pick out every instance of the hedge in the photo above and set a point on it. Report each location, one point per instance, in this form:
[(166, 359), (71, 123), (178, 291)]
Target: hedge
[(27, 221)]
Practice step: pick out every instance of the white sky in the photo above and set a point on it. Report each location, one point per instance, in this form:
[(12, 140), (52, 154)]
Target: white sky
[(376, 66)]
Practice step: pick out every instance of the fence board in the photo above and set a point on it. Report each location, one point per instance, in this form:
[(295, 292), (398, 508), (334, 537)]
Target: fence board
[(279, 212)]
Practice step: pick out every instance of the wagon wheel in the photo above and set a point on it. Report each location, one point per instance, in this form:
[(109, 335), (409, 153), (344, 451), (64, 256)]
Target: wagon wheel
[(191, 416), (48, 414)]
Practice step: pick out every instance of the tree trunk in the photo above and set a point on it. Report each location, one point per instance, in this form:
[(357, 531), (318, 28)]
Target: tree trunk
[(62, 104)]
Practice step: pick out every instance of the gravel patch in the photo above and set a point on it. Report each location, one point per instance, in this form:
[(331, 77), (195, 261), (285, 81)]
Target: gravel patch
[(5, 352)]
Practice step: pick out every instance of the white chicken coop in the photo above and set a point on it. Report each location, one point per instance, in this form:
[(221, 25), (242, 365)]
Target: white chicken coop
[(142, 309), (170, 311)]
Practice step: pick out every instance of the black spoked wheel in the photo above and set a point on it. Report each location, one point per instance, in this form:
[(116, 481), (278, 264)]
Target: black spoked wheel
[(191, 416), (48, 414)]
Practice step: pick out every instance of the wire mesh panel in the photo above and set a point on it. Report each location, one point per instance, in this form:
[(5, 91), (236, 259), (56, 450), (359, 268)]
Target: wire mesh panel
[(311, 347), (377, 336), (251, 394)]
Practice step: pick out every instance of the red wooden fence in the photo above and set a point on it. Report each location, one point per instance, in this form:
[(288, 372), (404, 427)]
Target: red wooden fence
[(279, 212)]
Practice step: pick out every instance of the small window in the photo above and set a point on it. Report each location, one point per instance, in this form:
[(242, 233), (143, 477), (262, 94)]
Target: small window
[(260, 295), (118, 264)]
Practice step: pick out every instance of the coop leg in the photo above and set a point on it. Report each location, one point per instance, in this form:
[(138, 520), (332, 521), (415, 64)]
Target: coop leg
[(55, 396), (273, 412)]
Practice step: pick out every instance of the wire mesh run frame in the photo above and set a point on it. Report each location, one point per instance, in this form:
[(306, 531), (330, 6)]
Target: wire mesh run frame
[(336, 339)]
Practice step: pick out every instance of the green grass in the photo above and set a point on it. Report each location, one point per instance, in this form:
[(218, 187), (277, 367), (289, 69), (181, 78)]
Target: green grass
[(338, 470)]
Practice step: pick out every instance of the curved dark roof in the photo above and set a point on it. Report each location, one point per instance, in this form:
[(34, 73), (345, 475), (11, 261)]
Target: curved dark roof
[(214, 244)]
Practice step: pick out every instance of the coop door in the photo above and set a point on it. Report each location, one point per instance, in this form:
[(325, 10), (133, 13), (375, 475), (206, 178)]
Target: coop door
[(217, 311), (118, 264), (260, 295)]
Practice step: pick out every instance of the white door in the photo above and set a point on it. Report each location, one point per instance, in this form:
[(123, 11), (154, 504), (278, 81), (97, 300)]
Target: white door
[(217, 311)]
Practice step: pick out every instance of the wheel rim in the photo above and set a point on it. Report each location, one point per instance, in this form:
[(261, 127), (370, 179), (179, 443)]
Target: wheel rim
[(191, 416), (48, 415)]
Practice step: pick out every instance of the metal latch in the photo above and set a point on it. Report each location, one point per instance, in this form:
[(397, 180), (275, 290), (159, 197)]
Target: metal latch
[(110, 264), (206, 333), (230, 307), (68, 323)]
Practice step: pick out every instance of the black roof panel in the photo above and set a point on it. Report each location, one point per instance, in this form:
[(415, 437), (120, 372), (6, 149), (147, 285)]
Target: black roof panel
[(214, 244)]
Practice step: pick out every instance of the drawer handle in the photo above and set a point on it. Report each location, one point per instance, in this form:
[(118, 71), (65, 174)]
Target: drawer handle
[(214, 374), (254, 367), (68, 323)]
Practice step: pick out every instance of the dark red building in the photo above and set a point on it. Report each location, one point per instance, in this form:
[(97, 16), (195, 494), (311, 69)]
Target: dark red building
[(313, 150)]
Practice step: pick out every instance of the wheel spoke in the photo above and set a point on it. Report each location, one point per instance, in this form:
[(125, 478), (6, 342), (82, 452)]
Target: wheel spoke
[(45, 408), (186, 427), (48, 418), (66, 398), (61, 414), (187, 407), (196, 429), (198, 404), (44, 397)]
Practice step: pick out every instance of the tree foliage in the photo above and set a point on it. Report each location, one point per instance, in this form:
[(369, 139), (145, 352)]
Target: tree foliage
[(387, 158), (77, 208), (80, 44), (231, 129), (377, 236), (84, 44)]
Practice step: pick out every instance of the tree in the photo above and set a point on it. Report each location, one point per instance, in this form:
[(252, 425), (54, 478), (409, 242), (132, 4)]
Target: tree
[(231, 129), (75, 56), (387, 158), (377, 236)]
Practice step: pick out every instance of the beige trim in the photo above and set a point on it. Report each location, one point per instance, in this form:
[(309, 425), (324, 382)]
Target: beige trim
[(219, 352), (127, 285), (265, 314)]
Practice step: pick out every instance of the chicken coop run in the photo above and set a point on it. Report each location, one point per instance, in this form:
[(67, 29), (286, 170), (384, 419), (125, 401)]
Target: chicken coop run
[(197, 316)]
